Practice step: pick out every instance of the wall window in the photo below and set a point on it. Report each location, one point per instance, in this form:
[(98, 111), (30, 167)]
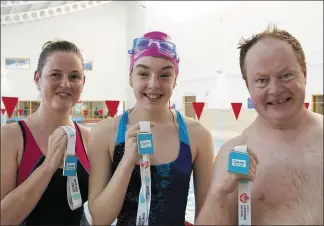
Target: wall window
[(25, 107), (249, 103), (17, 63), (77, 110), (88, 65), (98, 105)]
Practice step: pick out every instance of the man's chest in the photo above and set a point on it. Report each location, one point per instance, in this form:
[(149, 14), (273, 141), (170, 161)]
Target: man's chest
[(289, 181), (287, 168)]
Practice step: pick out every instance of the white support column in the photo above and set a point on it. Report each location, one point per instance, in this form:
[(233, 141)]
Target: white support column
[(136, 27)]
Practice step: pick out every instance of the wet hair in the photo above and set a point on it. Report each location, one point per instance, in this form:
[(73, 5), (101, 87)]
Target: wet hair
[(271, 31), (51, 47)]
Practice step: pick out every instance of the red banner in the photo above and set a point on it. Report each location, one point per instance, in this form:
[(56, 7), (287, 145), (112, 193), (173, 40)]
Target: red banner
[(10, 104), (20, 111), (198, 107), (236, 109), (112, 106)]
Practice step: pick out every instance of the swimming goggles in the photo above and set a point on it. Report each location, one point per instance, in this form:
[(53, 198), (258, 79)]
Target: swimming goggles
[(164, 47)]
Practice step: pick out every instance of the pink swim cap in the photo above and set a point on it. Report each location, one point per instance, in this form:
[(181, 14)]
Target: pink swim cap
[(154, 51)]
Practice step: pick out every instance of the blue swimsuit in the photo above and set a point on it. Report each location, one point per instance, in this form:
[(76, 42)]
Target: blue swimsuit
[(170, 182)]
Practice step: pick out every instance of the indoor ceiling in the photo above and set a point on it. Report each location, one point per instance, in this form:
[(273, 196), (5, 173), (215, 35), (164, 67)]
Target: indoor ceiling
[(24, 11)]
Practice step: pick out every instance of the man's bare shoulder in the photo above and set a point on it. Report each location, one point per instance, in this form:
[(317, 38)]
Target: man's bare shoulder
[(315, 131), (318, 120), (228, 146), (313, 126)]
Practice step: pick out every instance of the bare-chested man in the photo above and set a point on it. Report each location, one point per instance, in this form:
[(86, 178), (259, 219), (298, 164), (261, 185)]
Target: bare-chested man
[(287, 139)]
